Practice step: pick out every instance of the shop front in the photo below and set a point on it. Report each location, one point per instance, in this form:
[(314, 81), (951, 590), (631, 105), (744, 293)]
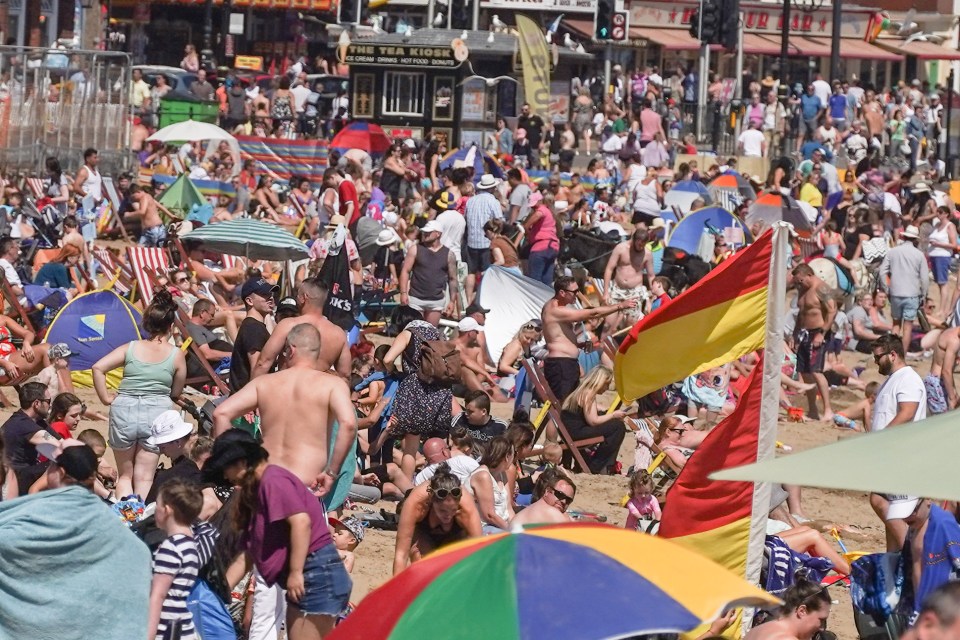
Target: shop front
[(659, 33), (436, 81)]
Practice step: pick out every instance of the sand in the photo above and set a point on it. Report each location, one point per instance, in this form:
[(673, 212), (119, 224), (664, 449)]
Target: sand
[(602, 495)]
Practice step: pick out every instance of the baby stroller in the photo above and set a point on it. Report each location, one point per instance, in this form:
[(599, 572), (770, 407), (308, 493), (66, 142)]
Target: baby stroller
[(46, 221)]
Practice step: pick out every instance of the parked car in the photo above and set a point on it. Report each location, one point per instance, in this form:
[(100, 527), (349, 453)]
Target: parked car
[(177, 78)]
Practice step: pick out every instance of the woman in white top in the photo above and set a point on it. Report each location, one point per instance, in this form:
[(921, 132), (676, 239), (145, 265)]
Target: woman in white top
[(942, 243), (488, 484), (647, 199)]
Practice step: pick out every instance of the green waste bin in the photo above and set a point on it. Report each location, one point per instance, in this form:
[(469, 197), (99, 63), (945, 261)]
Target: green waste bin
[(178, 106)]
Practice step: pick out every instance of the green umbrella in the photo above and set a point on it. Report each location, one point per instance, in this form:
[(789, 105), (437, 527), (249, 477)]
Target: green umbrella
[(180, 196), (916, 459), (250, 239)]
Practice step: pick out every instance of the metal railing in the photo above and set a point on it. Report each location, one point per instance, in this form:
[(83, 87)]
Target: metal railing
[(59, 102)]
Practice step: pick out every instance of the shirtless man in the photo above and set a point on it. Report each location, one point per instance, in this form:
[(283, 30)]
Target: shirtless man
[(628, 266), (817, 310), (148, 210), (297, 407), (561, 368), (556, 492), (334, 350), (472, 373), (941, 388)]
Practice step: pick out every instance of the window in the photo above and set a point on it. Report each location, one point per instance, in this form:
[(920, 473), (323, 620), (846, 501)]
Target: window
[(403, 93)]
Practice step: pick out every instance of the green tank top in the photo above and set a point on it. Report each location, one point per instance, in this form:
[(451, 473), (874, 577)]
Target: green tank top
[(147, 378)]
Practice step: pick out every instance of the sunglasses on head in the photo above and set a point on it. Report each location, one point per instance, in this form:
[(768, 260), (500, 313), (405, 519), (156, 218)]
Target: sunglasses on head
[(441, 494), (531, 327), (561, 496)]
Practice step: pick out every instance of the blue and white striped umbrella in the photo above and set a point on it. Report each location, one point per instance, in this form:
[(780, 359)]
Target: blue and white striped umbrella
[(249, 238)]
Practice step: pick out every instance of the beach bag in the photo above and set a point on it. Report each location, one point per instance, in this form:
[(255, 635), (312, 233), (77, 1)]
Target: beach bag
[(877, 585), (210, 617), (439, 363)]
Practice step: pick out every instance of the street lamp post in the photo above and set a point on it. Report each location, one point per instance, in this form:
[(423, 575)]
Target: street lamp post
[(785, 41), (835, 71), (206, 52)]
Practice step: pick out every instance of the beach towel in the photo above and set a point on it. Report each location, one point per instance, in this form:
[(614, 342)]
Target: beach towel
[(877, 584), (70, 569), (786, 566), (941, 554)]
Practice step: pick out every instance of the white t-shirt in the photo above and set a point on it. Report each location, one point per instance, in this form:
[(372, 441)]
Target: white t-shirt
[(460, 466), (300, 95), (13, 278), (904, 385), (821, 88), (752, 141), (452, 225)]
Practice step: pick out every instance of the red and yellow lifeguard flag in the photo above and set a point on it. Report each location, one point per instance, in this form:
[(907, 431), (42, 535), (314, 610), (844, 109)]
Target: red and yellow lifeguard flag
[(712, 517), (720, 318)]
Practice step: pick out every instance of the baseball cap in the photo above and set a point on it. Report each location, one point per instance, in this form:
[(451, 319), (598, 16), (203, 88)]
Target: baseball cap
[(684, 419), (258, 286), (468, 324), (59, 350), (432, 226), (351, 524), (76, 458), (901, 507), (476, 308), (167, 427), (287, 302)]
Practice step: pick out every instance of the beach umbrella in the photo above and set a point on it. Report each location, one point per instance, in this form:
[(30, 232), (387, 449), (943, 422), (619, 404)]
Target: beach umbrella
[(683, 194), (909, 460), (617, 583), (361, 135), (732, 181), (189, 131), (688, 231), (481, 161), (249, 238), (809, 211), (773, 207)]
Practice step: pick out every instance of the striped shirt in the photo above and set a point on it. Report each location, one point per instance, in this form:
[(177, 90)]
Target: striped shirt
[(177, 556), (481, 208)]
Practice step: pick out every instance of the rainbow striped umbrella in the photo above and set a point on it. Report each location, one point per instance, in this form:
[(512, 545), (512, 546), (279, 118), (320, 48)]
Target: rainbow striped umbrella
[(732, 181), (570, 581)]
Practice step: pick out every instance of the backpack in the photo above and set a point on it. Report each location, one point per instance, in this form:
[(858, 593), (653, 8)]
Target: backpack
[(439, 363)]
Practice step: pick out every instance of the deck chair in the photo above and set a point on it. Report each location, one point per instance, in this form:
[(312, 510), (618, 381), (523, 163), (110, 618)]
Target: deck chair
[(189, 344), (35, 186), (550, 411), (78, 275), (145, 264), (15, 309), (121, 278), (116, 221)]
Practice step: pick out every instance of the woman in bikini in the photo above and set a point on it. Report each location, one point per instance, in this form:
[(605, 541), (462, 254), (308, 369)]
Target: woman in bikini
[(435, 514), (516, 351)]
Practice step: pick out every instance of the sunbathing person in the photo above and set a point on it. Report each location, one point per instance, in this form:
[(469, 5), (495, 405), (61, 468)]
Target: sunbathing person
[(473, 373), (678, 439), (435, 514), (28, 362), (553, 494)]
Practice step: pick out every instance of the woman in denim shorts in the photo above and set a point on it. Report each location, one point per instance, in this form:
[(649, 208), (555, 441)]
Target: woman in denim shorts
[(274, 506), (154, 371)]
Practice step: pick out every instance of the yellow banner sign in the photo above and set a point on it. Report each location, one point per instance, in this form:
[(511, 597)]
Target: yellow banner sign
[(535, 55), (250, 63)]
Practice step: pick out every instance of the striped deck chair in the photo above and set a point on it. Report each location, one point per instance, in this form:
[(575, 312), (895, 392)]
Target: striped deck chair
[(146, 264), (121, 278), (178, 165), (35, 185), (189, 345)]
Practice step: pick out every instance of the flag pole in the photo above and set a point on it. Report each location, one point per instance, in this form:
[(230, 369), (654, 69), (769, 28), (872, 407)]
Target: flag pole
[(770, 402)]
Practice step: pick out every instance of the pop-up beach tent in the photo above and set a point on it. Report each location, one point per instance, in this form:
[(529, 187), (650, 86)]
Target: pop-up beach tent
[(92, 325)]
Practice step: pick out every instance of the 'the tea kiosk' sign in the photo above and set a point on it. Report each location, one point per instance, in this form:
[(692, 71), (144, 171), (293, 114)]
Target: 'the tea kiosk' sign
[(400, 56)]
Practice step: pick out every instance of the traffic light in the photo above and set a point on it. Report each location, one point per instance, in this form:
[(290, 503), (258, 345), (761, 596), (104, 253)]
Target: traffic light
[(695, 24), (603, 20), (730, 24), (710, 22)]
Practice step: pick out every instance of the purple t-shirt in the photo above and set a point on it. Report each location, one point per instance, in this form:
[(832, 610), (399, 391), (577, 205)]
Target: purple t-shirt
[(282, 495)]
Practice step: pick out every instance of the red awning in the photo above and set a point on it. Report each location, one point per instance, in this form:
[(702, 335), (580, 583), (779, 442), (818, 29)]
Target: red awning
[(583, 28), (755, 44), (669, 39), (920, 49), (858, 49)]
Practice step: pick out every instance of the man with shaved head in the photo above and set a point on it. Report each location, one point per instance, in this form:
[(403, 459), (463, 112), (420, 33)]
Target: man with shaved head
[(334, 351), (298, 406)]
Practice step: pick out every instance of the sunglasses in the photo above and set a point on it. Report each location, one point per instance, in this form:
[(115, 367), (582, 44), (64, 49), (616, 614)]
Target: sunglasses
[(577, 290), (532, 327), (561, 496), (441, 494), (182, 280), (678, 431), (878, 356)]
